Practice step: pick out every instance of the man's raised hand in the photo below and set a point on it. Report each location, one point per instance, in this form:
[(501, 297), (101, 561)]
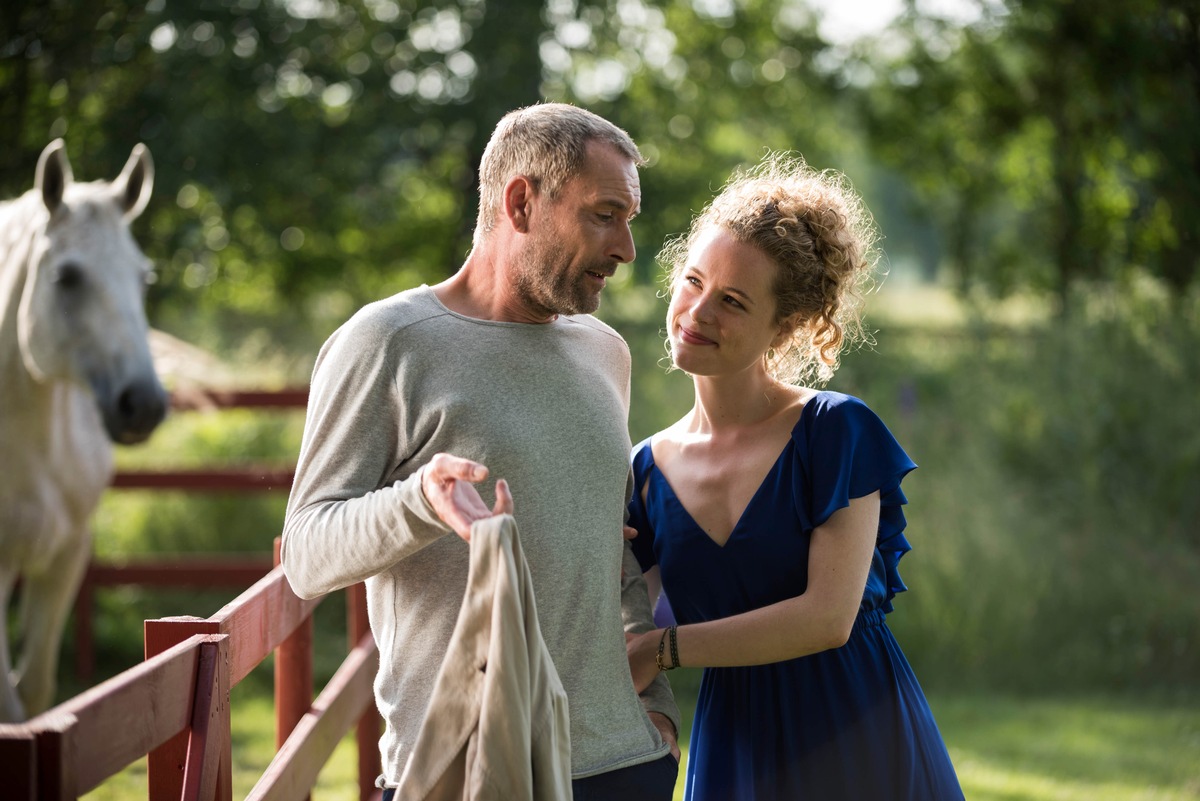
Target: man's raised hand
[(448, 483)]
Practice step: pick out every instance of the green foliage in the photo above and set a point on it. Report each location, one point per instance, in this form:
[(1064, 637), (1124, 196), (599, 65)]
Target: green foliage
[(1053, 515), (1048, 140), (138, 522), (309, 156), (657, 397), (314, 156)]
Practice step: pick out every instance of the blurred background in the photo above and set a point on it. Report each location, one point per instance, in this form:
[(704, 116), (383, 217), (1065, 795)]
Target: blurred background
[(1034, 168)]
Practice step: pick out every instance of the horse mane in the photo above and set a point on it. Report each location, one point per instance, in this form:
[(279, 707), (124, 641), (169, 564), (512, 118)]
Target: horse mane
[(19, 217)]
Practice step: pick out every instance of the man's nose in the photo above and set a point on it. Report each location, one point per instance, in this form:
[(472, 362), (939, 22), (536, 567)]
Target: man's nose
[(622, 248)]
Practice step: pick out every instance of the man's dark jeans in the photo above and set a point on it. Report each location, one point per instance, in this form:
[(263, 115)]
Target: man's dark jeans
[(650, 781)]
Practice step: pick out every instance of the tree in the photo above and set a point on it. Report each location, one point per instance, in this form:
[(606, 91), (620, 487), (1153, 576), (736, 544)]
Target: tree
[(311, 154), (1052, 140)]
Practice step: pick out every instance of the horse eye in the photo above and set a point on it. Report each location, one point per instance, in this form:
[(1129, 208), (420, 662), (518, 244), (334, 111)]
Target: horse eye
[(69, 276)]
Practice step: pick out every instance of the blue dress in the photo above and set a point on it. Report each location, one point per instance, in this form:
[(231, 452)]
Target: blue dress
[(846, 724)]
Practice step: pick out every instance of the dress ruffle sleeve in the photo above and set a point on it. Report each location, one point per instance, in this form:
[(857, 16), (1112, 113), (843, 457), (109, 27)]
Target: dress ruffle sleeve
[(643, 543), (844, 451)]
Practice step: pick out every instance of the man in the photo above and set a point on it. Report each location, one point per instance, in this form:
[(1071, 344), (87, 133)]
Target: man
[(502, 366)]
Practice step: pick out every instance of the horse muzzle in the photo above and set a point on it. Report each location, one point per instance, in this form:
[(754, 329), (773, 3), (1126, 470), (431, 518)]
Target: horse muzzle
[(131, 414)]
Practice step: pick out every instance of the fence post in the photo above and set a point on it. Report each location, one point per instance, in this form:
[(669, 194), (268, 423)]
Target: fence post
[(165, 764), (293, 676), (208, 768), (85, 649), (367, 731), (56, 763), (18, 761)]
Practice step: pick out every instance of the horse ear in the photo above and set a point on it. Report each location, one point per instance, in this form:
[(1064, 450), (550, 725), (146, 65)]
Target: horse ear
[(136, 182), (53, 174)]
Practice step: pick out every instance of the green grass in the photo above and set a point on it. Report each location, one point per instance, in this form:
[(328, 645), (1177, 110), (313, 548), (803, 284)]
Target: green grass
[(1072, 749), (1005, 748), (1086, 748)]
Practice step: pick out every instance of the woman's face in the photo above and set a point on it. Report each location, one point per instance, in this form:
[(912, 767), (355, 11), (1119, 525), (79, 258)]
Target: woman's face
[(722, 314)]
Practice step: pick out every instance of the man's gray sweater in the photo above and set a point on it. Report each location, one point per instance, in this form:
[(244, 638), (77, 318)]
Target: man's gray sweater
[(543, 406)]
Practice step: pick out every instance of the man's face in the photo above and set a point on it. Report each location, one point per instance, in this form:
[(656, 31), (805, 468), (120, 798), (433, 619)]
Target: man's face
[(577, 240)]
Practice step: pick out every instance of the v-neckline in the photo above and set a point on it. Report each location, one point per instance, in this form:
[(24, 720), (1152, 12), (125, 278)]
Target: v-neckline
[(754, 497)]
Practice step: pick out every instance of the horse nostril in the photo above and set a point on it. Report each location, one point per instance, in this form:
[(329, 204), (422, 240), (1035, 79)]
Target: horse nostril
[(127, 405), (141, 408)]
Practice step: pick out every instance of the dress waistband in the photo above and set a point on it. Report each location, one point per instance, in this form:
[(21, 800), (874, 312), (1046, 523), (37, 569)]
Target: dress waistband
[(869, 618)]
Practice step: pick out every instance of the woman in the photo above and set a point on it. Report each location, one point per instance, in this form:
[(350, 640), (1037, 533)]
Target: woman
[(772, 511)]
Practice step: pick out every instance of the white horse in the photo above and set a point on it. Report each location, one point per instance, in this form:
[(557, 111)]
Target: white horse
[(75, 373)]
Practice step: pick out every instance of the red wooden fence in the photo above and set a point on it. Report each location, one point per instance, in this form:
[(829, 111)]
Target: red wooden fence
[(250, 479), (193, 570), (174, 707)]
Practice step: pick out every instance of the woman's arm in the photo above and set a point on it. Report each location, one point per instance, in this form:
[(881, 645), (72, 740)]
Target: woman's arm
[(653, 585), (839, 559)]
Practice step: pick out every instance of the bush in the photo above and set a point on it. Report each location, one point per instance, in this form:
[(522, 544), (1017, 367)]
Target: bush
[(1052, 517)]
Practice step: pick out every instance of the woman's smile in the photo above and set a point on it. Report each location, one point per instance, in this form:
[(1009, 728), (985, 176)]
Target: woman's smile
[(691, 337)]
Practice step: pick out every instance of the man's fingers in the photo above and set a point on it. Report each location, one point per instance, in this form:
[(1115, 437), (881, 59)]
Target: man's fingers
[(629, 532), (448, 483), (667, 729), (504, 499), (445, 467)]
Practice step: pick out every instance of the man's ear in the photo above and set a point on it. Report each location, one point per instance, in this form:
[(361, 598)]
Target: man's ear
[(518, 202)]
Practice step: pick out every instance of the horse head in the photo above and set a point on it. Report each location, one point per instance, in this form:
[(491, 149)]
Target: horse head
[(81, 315)]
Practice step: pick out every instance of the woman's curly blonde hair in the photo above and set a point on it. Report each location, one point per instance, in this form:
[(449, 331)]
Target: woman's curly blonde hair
[(817, 229)]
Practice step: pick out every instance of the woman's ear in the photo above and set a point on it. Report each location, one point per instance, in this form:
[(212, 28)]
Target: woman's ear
[(787, 329), (518, 198)]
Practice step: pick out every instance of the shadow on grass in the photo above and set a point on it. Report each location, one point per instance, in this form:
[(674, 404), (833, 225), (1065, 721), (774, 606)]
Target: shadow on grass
[(1087, 747)]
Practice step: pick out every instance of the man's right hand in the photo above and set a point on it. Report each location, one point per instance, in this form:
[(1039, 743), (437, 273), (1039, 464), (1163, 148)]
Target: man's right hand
[(448, 483)]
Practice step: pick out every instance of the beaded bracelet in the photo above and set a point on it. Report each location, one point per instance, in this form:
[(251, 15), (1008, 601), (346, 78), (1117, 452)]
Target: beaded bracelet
[(662, 644)]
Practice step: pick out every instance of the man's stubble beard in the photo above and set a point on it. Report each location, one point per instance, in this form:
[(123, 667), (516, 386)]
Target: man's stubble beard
[(550, 287)]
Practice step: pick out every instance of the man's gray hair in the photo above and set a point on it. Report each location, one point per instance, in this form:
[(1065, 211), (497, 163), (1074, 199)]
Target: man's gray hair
[(546, 143)]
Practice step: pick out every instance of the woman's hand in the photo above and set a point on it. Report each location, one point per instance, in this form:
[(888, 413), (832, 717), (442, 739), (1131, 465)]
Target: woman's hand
[(642, 650)]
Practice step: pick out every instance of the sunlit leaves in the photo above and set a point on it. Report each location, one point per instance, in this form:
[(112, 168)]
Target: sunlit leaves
[(1037, 138), (1057, 111)]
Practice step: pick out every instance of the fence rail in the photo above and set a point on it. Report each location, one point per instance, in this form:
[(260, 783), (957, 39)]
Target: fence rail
[(232, 479), (174, 707), (193, 570)]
